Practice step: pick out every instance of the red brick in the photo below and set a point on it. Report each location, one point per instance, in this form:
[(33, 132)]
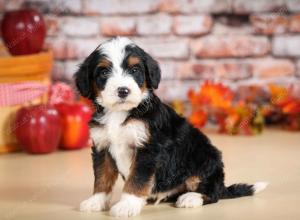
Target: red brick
[(219, 28), (64, 49), (273, 68), (53, 24), (230, 46), (195, 6), (193, 25), (198, 70), (232, 24), (119, 6), (212, 69), (269, 24), (66, 6), (154, 24), (71, 67), (233, 70), (286, 46), (80, 27), (81, 48), (64, 71), (165, 47), (246, 6), (170, 90), (58, 46), (294, 23), (168, 69), (118, 26)]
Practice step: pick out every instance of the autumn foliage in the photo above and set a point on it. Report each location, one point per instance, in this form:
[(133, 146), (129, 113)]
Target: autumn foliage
[(283, 108), (237, 114)]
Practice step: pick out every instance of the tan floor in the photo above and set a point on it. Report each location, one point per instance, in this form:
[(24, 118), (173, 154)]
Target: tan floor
[(52, 186)]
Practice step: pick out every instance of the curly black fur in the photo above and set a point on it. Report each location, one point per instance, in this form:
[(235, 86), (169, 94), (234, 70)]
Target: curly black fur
[(177, 151)]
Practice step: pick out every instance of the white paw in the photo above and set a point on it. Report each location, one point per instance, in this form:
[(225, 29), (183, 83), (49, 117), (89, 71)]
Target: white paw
[(259, 186), (189, 200), (97, 202), (129, 205)]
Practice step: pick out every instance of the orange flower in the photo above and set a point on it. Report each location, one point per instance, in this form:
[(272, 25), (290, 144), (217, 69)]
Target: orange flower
[(278, 93), (291, 107), (198, 118), (282, 97), (214, 94)]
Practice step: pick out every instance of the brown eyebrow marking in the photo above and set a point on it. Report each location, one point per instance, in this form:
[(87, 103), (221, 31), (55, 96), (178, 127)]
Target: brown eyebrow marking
[(133, 60), (104, 63)]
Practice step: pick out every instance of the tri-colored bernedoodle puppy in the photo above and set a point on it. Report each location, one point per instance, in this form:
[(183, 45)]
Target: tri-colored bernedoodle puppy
[(157, 152)]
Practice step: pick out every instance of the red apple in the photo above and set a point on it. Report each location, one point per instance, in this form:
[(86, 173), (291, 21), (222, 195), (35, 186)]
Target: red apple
[(75, 117), (23, 31), (38, 128)]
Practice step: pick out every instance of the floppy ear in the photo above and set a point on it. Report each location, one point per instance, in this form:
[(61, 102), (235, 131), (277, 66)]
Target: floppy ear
[(84, 76), (82, 80), (153, 70)]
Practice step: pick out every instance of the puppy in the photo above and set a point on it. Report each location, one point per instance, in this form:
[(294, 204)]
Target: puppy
[(157, 152)]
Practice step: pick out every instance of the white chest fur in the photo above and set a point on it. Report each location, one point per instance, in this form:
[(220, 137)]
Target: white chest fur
[(122, 139)]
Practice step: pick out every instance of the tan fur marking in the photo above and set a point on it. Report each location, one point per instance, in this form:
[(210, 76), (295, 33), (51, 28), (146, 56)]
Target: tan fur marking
[(144, 86), (105, 175), (132, 188), (133, 60), (192, 183), (104, 63), (164, 195)]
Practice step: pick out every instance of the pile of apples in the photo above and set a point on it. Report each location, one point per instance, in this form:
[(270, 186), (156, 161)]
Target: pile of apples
[(62, 123)]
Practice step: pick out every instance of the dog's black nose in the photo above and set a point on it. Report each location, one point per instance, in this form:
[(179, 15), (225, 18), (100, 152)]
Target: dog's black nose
[(123, 92)]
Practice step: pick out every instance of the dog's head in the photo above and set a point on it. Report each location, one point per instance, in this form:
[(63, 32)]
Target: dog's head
[(118, 75)]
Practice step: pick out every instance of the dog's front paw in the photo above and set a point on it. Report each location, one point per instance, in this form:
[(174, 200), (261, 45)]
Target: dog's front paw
[(97, 202), (189, 200), (129, 205)]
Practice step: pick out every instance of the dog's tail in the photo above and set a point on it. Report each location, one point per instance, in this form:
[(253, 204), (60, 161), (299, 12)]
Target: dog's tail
[(239, 190)]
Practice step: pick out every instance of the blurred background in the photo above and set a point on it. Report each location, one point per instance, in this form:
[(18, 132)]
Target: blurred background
[(234, 63), (238, 42)]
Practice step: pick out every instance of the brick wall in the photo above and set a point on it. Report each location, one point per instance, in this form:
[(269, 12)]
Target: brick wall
[(238, 42)]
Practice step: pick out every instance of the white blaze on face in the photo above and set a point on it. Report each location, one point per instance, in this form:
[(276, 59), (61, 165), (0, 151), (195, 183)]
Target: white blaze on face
[(115, 52)]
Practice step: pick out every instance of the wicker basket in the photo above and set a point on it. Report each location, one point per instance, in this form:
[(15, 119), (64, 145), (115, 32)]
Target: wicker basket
[(19, 70)]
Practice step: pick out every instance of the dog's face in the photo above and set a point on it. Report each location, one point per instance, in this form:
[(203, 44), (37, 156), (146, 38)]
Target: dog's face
[(118, 75)]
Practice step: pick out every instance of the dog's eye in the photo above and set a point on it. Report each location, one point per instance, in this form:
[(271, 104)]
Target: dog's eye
[(135, 69), (102, 72), (105, 72)]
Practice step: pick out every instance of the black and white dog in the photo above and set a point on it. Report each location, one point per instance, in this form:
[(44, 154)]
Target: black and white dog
[(157, 152)]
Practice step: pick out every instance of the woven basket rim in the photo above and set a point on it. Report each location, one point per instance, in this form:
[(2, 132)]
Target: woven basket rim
[(47, 54), (24, 65)]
